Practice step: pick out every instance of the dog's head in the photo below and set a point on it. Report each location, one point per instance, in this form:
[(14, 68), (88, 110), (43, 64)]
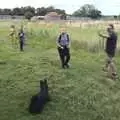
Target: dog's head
[(45, 83)]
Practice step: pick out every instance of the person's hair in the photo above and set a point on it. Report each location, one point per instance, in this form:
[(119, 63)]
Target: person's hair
[(111, 25), (12, 26)]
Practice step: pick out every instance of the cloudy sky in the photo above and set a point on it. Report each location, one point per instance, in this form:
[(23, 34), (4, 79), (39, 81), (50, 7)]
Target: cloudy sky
[(108, 7)]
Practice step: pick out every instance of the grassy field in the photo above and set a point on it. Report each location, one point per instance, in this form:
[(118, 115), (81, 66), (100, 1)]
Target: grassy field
[(82, 92)]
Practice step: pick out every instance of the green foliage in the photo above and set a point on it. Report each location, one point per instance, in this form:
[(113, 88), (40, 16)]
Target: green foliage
[(41, 11), (94, 14), (32, 11), (5, 11), (18, 11), (88, 11), (28, 15)]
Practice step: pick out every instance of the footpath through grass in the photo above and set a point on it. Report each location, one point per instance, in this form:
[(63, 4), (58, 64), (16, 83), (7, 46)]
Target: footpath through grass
[(79, 93)]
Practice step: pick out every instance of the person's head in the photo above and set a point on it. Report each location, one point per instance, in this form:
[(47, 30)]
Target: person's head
[(12, 26), (62, 30), (110, 28)]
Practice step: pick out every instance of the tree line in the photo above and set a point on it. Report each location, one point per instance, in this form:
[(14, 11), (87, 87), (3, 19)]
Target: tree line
[(86, 10), (29, 11)]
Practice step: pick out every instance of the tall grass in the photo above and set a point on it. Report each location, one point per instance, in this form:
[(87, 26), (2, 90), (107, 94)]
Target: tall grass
[(82, 38)]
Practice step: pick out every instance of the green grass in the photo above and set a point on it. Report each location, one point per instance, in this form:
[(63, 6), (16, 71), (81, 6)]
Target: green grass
[(79, 93)]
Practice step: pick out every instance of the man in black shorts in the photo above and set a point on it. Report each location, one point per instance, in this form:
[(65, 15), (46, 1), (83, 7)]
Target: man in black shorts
[(110, 50)]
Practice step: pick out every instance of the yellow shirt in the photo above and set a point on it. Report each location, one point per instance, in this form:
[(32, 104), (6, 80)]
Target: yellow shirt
[(12, 32)]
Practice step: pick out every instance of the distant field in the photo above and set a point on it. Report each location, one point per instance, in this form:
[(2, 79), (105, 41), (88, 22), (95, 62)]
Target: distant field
[(82, 92)]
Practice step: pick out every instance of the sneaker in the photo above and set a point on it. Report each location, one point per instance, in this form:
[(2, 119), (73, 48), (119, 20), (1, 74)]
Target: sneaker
[(67, 65), (114, 76)]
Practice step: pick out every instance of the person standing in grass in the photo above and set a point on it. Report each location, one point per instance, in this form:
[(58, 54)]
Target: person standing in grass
[(13, 35), (63, 46), (110, 49), (21, 39)]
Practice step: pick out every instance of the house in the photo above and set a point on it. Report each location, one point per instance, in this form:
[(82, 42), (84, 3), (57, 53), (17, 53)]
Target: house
[(52, 16)]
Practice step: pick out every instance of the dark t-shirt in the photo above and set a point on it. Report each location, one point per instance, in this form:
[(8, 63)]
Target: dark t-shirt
[(21, 35), (111, 44)]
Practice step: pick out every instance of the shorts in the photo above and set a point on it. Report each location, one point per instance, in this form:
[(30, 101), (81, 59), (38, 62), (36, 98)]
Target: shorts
[(110, 53)]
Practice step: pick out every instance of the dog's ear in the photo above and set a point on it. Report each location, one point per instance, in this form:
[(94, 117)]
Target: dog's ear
[(41, 84), (45, 84), (45, 81)]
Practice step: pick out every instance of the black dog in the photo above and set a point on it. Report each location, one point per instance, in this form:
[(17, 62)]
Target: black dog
[(39, 100)]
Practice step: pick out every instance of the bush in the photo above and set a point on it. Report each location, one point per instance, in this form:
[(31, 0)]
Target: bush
[(28, 15)]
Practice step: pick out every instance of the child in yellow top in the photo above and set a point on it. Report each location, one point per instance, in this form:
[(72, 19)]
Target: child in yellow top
[(13, 35)]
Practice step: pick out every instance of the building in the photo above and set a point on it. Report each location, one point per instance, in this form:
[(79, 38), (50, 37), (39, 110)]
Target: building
[(52, 16)]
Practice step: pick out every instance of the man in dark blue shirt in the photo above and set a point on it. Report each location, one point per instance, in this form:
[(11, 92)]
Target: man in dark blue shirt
[(21, 39), (63, 44), (111, 41)]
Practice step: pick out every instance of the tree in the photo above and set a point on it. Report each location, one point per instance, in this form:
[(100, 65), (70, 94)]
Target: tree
[(29, 9), (5, 11), (50, 9), (87, 11), (1, 11), (94, 14), (29, 12), (28, 15), (41, 11), (18, 11)]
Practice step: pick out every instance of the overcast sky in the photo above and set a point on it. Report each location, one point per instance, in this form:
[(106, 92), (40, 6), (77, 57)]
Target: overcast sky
[(108, 7)]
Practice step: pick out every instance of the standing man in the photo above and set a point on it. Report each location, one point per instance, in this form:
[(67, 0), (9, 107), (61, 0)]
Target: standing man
[(21, 39), (63, 45), (110, 50)]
